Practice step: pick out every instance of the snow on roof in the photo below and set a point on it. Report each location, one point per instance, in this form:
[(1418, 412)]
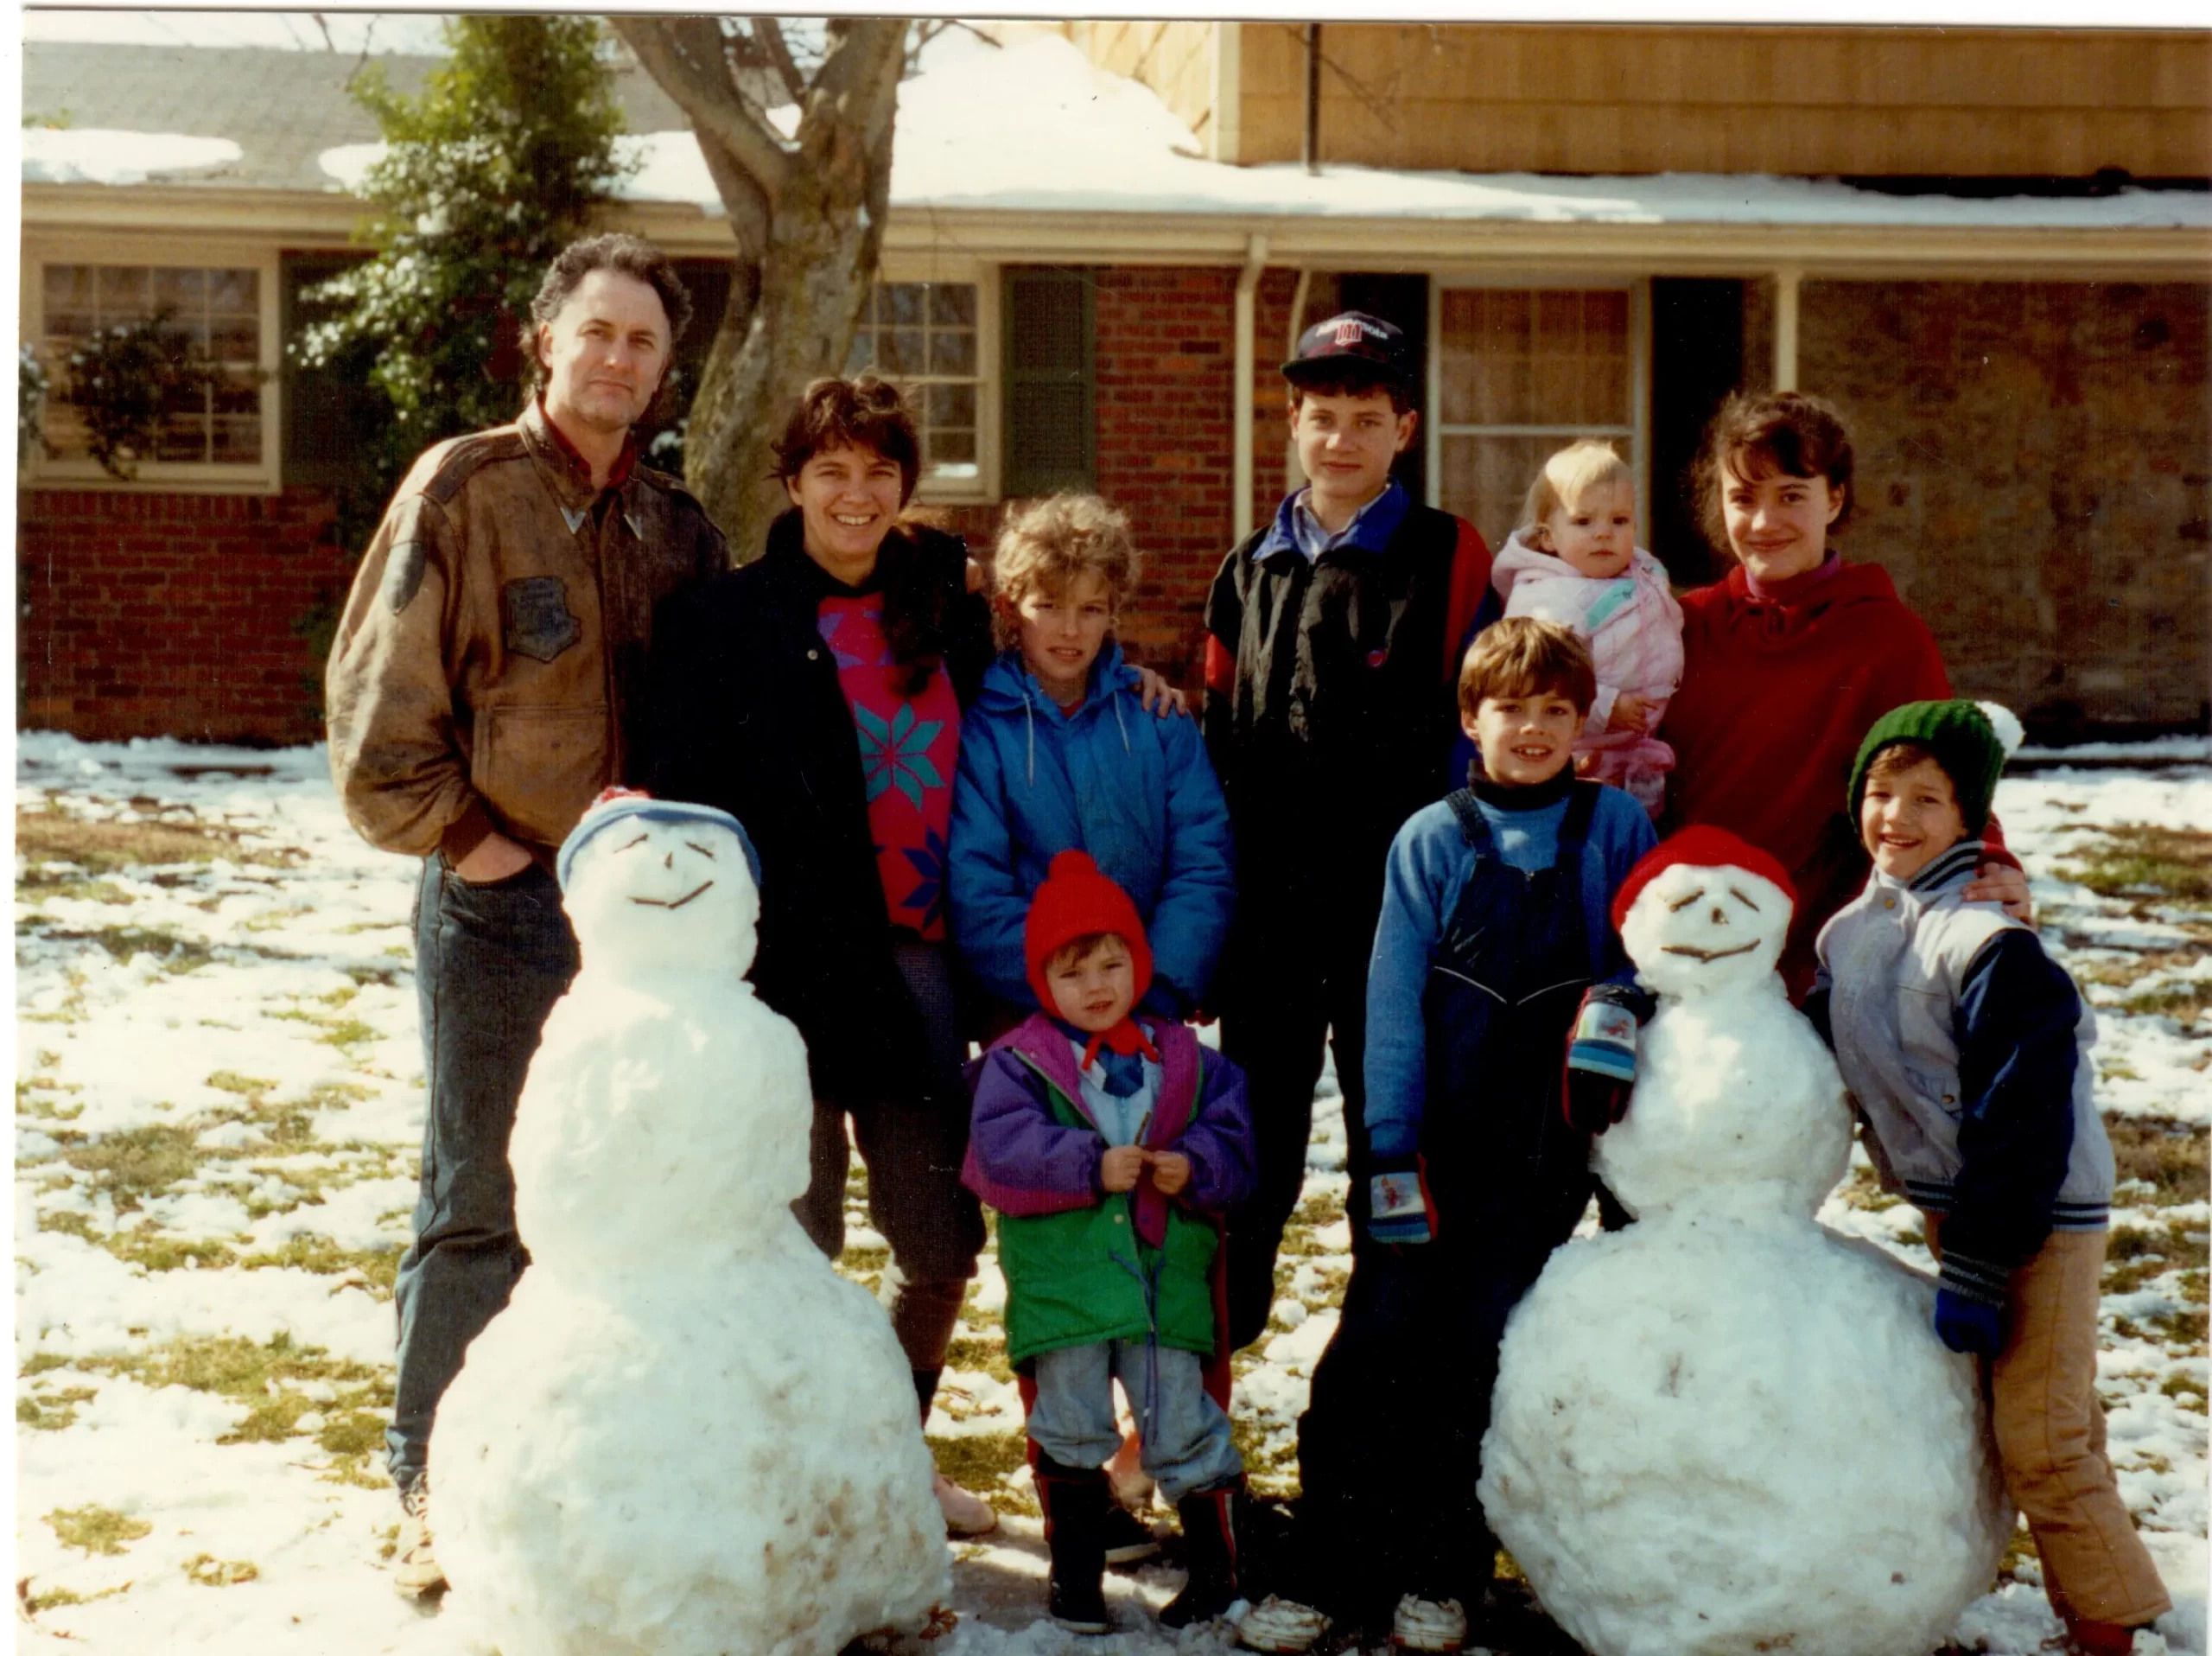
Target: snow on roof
[(349, 32), (99, 156), (1034, 126)]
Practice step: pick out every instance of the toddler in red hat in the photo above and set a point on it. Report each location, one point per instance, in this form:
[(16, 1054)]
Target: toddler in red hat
[(1110, 1142)]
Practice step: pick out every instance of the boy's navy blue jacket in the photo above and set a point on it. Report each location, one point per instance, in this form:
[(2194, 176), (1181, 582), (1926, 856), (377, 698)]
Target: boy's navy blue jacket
[(1428, 868), (1331, 685), (1132, 789)]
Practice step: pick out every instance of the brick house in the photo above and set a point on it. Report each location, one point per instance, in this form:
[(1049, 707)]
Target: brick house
[(1993, 248)]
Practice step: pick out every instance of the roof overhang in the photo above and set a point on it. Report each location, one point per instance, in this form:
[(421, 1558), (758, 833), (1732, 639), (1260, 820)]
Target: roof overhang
[(295, 218)]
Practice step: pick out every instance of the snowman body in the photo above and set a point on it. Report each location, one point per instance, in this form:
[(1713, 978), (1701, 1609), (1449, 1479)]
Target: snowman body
[(685, 1434), (1726, 1429)]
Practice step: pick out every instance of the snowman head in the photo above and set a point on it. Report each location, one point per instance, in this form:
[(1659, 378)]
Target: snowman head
[(654, 886), (1704, 911)]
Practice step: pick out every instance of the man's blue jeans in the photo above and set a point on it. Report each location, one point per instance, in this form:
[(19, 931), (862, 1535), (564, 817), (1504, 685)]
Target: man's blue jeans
[(490, 960)]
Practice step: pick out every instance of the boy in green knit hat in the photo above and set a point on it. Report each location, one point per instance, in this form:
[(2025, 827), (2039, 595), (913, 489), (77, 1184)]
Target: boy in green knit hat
[(1966, 1050)]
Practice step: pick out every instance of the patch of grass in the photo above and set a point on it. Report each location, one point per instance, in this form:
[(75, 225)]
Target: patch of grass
[(982, 1462), (357, 1432), (177, 952), (138, 1162), (975, 1356), (2134, 859), (55, 1598), (55, 835), (261, 1376), (2168, 1156), (378, 1267), (2184, 1002), (2187, 1389), (382, 976), (42, 881), (336, 1032), (210, 1571), (53, 1410), (229, 1080), (152, 1250), (363, 1471), (97, 1529), (42, 1362), (274, 920), (38, 1108)]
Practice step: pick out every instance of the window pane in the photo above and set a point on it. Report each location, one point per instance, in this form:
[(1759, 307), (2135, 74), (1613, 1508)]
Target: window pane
[(951, 404), (952, 352), (902, 302), (952, 303), (1535, 357), (900, 350), (184, 292), (181, 437), (948, 448), (862, 354), (235, 292), (237, 439), (123, 292), (233, 339)]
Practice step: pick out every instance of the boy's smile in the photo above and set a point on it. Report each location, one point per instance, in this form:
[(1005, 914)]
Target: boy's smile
[(1345, 445), (1524, 740), (1096, 992), (1909, 818)]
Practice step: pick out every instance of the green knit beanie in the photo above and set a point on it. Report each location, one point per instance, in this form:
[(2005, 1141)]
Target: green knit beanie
[(1970, 740)]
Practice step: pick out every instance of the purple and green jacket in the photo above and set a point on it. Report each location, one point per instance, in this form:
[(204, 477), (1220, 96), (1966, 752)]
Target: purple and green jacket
[(1083, 1265)]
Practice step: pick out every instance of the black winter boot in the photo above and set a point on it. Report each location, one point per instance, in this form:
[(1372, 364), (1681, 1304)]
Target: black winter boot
[(1075, 1500), (1212, 1519)]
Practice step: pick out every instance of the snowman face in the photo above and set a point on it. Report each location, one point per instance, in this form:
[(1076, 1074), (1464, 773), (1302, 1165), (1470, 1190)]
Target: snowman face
[(655, 896), (1695, 930)]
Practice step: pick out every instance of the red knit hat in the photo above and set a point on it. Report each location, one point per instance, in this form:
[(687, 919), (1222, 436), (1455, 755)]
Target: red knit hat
[(1698, 848), (1077, 901)]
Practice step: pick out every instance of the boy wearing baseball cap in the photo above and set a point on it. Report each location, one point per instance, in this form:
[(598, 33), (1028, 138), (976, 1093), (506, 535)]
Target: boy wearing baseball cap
[(1333, 642), (1966, 1048), (1109, 1143)]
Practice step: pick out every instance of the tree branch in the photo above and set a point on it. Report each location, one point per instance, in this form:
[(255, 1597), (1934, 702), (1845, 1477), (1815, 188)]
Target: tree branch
[(685, 55), (768, 36)]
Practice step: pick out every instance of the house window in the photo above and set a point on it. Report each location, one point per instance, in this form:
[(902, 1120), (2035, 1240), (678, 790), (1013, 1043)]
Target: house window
[(927, 336), (211, 316), (1050, 366), (1521, 372)]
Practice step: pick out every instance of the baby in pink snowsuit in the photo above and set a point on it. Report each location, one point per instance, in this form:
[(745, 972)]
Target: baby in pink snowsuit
[(1574, 560)]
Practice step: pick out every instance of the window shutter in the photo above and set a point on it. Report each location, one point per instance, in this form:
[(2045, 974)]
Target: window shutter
[(1048, 367)]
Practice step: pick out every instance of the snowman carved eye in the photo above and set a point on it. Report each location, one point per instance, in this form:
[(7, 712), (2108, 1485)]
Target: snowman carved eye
[(695, 845), (628, 845), (1680, 903), (1742, 898)]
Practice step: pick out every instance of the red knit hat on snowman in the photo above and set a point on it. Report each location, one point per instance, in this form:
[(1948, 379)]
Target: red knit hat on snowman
[(1700, 847), (1077, 901)]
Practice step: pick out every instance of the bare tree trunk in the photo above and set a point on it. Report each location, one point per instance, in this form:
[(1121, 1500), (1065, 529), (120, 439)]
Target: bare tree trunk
[(809, 224)]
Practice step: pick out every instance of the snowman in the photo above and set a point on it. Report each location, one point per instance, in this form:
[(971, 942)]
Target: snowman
[(685, 1434), (1726, 1429)]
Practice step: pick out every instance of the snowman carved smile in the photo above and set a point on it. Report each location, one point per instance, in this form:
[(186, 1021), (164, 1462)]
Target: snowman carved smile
[(664, 903), (1709, 955)]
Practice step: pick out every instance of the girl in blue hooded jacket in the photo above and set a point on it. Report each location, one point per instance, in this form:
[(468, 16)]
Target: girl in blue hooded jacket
[(1057, 754)]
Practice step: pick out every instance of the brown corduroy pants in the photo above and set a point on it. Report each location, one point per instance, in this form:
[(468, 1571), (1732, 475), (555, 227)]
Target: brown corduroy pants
[(2051, 1437)]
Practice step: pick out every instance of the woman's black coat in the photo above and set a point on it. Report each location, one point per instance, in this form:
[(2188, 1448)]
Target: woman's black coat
[(744, 713)]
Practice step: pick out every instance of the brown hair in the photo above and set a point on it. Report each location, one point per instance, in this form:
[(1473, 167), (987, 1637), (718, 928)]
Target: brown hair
[(1522, 656), (625, 255), (1047, 546), (867, 412), (864, 413), (1753, 437), (1565, 480), (1354, 379), (1076, 950), (1898, 756)]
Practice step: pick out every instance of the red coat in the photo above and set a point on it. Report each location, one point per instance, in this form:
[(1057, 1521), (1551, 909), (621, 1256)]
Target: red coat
[(1776, 698)]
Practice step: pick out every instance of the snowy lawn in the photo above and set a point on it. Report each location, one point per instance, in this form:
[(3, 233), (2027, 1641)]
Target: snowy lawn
[(218, 1099)]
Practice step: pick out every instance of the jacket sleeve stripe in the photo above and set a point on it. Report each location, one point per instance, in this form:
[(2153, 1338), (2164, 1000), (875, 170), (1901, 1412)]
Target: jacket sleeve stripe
[(1472, 605)]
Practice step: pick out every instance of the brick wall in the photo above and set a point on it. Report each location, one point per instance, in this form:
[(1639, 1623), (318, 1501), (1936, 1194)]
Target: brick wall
[(2033, 461), (173, 614)]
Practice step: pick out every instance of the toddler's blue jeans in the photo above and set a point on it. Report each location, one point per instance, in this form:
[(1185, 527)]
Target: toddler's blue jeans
[(1182, 1431)]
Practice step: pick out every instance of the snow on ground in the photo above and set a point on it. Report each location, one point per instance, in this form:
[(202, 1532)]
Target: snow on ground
[(218, 1097)]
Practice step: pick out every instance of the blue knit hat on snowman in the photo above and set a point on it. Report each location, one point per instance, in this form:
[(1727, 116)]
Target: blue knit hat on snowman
[(633, 805)]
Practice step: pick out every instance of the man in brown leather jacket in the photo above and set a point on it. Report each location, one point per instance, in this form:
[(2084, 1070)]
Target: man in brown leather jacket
[(483, 688)]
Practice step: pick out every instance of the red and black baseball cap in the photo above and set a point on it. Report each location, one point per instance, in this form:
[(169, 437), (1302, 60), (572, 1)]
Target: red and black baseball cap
[(1350, 338)]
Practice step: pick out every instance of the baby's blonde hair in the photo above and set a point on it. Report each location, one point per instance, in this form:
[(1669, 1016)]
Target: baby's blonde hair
[(1047, 546), (1566, 479)]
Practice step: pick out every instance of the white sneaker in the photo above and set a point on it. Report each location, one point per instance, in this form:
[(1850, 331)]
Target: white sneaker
[(415, 1569), (1428, 1624), (964, 1514), (1280, 1625)]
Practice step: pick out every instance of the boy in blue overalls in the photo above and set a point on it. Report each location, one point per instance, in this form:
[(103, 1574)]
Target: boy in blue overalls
[(1494, 935)]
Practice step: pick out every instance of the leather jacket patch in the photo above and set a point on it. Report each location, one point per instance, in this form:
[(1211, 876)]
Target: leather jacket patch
[(535, 617)]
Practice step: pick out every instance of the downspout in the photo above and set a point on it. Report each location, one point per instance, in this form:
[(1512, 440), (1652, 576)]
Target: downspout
[(1240, 469), (1293, 477), (1785, 326)]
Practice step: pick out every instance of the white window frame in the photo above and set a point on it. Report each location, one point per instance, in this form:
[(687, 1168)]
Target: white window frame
[(983, 489), (155, 476), (1637, 431)]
